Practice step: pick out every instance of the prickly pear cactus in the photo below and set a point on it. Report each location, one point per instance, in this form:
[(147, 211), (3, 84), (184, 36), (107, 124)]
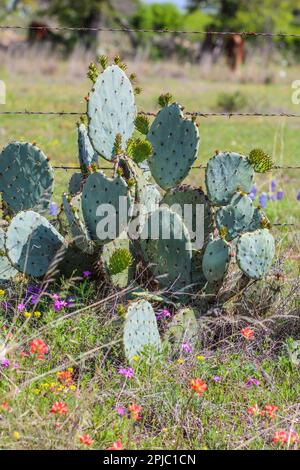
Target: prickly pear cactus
[(225, 174), (32, 243), (7, 271), (216, 260), (26, 178), (236, 217), (140, 329), (98, 191), (182, 329), (75, 184), (169, 251), (200, 210), (175, 142), (255, 253), (78, 231), (111, 111), (87, 155), (118, 261)]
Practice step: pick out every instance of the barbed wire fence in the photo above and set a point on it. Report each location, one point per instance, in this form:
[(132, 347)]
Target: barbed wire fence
[(244, 34)]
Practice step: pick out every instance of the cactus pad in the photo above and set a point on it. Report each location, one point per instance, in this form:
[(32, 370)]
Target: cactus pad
[(97, 191), (75, 183), (255, 253), (87, 155), (182, 329), (187, 195), (175, 142), (32, 243), (118, 261), (7, 272), (26, 178), (227, 173), (140, 329), (216, 260), (235, 217), (111, 111), (77, 228), (167, 249)]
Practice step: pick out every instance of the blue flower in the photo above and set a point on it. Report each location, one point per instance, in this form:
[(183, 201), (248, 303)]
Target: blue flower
[(280, 195), (273, 185), (53, 209), (298, 196), (263, 199)]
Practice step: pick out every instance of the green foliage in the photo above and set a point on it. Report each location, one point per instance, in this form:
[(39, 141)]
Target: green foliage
[(139, 150), (120, 260), (260, 161), (142, 124), (165, 100), (157, 16)]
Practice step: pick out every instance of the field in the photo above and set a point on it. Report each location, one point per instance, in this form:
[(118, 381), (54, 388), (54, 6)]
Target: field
[(83, 338)]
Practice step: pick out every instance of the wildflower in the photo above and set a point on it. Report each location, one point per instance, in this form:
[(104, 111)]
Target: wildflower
[(121, 410), (136, 358), (247, 333), (59, 408), (21, 307), (37, 314), (135, 411), (65, 377), (86, 439), (272, 197), (201, 358), (164, 313), (283, 437), (2, 293), (37, 391), (5, 406), (180, 361), (16, 435), (187, 348), (298, 196), (217, 378), (39, 347), (27, 314), (263, 198), (271, 410), (251, 382), (279, 195), (253, 190), (86, 274), (254, 410), (116, 446), (252, 196), (59, 304), (72, 387), (16, 365), (199, 386), (273, 185), (128, 373), (53, 208), (4, 362)]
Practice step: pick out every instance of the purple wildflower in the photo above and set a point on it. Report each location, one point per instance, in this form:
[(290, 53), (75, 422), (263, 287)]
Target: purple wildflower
[(273, 185), (254, 190), (121, 410), (4, 363), (217, 378), (272, 197), (252, 381), (164, 313), (263, 198), (280, 195), (128, 373), (21, 307), (53, 208), (187, 348), (86, 274), (16, 365), (298, 196), (252, 196)]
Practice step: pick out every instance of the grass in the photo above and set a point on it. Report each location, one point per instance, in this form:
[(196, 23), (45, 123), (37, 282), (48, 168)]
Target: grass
[(87, 337)]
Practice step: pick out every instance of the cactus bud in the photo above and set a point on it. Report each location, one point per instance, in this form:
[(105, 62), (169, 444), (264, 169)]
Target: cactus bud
[(103, 61), (165, 99)]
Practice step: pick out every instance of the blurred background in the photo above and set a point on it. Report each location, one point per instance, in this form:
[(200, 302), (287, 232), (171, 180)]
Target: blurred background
[(45, 70)]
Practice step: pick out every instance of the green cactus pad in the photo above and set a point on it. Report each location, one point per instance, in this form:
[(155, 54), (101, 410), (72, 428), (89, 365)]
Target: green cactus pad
[(140, 329), (99, 190), (216, 260), (255, 253), (111, 111), (75, 183), (259, 220), (26, 178), (120, 272), (187, 195), (7, 271), (169, 258), (236, 217), (87, 155), (78, 231), (260, 161), (175, 142), (182, 329), (227, 173), (32, 243)]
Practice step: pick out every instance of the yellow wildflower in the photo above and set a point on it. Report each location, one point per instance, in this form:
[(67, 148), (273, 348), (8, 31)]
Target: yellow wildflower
[(2, 293)]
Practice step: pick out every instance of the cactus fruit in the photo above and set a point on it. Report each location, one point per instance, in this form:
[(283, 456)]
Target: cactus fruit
[(75, 184), (32, 243), (140, 329), (26, 178), (7, 271), (111, 111), (255, 253), (175, 142), (118, 262), (260, 161), (87, 155), (78, 231), (216, 260), (235, 217), (225, 174), (98, 192), (169, 251), (182, 329), (198, 202)]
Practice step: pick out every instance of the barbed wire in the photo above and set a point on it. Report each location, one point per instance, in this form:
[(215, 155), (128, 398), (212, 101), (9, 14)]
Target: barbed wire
[(152, 114), (199, 167), (158, 31)]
